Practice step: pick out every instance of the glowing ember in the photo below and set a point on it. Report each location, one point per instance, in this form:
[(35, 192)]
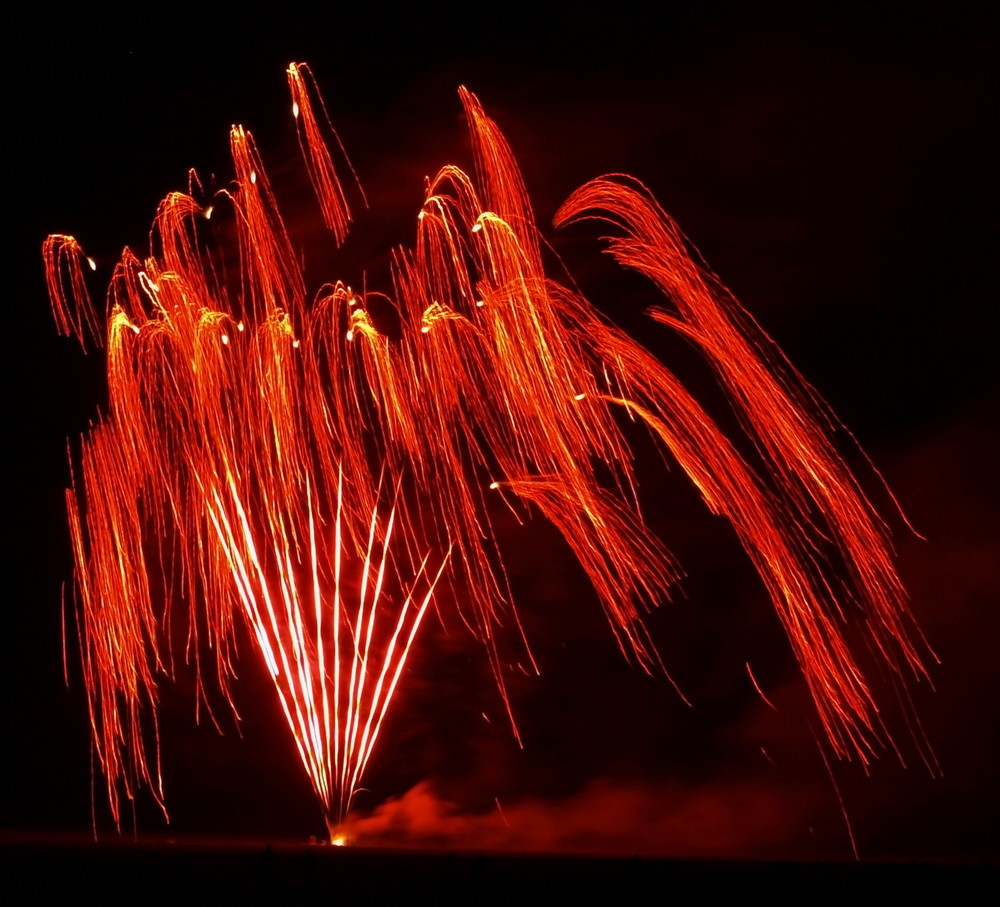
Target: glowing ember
[(270, 456)]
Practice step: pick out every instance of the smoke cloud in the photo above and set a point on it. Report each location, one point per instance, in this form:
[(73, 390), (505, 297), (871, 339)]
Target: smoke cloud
[(739, 818)]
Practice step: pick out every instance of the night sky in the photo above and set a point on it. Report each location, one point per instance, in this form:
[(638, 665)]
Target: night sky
[(836, 170)]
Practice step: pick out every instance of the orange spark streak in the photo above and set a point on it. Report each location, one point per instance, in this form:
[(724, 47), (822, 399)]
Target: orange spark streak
[(307, 475)]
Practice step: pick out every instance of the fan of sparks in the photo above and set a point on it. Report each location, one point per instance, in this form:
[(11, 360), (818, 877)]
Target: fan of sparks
[(270, 458)]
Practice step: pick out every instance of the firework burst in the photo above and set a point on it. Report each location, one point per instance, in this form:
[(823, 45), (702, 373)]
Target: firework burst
[(270, 457)]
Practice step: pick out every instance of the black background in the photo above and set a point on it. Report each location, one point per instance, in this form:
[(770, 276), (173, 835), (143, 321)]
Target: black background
[(835, 166)]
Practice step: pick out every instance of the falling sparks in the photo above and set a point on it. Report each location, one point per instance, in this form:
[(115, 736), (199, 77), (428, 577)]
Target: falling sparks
[(271, 458)]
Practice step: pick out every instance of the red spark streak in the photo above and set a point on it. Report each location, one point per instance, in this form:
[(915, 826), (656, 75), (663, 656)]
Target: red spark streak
[(273, 458)]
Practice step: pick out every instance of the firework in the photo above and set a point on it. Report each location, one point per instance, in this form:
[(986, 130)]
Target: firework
[(269, 457)]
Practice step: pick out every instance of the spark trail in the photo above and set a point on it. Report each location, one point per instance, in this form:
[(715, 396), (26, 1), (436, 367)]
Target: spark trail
[(270, 457)]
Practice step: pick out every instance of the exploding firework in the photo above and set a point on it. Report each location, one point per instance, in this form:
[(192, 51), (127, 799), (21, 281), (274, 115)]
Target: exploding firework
[(271, 458)]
